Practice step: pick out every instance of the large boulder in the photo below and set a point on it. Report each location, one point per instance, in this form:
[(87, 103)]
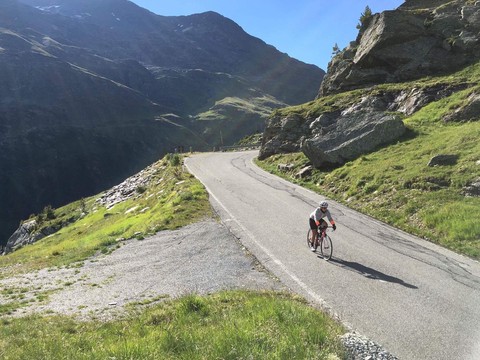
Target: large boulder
[(353, 135)]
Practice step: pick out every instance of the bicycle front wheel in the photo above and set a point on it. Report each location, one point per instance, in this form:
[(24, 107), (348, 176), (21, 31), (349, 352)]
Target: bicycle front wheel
[(326, 247)]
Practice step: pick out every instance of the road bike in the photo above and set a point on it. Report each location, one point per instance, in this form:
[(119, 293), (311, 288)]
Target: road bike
[(324, 242)]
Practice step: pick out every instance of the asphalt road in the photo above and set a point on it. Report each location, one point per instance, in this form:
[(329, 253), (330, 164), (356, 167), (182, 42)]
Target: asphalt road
[(416, 299)]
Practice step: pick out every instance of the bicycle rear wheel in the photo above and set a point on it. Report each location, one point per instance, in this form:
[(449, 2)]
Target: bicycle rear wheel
[(326, 247)]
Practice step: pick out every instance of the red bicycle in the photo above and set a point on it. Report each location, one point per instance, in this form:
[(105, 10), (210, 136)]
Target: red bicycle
[(323, 241)]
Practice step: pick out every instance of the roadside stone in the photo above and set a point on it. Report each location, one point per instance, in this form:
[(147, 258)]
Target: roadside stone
[(305, 172), (443, 160), (473, 189), (285, 167)]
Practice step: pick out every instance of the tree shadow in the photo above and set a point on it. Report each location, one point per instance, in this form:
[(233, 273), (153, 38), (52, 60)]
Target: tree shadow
[(369, 272)]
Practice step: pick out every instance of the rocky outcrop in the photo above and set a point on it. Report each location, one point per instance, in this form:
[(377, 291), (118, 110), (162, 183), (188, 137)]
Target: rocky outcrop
[(31, 231), (468, 112), (411, 100), (21, 237), (418, 39), (338, 136), (283, 135)]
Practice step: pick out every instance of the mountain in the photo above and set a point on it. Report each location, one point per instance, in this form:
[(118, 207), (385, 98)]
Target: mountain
[(356, 111), (93, 91)]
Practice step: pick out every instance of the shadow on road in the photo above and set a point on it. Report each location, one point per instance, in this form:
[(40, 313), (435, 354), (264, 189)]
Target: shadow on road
[(369, 272)]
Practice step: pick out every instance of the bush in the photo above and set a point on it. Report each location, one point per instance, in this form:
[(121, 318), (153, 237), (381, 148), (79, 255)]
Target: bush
[(48, 212), (174, 159)]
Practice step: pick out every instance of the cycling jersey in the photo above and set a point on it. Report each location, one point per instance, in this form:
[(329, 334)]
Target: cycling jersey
[(318, 214)]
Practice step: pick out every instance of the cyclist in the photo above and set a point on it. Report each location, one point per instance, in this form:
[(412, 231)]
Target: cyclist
[(316, 221)]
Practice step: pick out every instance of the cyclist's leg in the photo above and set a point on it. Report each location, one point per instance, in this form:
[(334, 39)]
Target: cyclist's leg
[(323, 225), (314, 229)]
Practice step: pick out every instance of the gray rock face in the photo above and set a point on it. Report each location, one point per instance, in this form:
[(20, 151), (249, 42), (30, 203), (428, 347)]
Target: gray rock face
[(335, 137), (418, 39), (355, 134), (21, 237), (283, 135), (412, 100), (331, 129)]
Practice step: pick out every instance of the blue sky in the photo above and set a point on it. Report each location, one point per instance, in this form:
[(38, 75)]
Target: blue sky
[(304, 29)]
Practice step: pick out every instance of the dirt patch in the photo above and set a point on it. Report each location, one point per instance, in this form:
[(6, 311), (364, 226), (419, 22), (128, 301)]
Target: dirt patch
[(201, 258)]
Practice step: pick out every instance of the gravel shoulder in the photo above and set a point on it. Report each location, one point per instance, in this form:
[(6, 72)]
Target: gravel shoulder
[(201, 258)]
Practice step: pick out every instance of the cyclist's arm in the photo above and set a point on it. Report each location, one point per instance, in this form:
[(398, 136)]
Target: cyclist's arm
[(329, 217)]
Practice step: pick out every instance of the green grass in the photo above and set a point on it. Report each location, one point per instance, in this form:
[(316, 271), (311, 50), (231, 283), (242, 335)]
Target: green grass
[(173, 198), (229, 107), (226, 325), (394, 183)]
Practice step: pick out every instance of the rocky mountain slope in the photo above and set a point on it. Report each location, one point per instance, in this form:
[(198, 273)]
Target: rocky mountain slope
[(356, 111), (421, 38), (93, 91)]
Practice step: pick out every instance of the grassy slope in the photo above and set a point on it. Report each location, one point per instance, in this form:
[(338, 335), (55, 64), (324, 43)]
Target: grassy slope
[(232, 106), (173, 198), (394, 184)]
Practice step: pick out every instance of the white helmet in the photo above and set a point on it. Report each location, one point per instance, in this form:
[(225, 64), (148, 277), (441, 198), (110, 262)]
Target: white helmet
[(324, 204)]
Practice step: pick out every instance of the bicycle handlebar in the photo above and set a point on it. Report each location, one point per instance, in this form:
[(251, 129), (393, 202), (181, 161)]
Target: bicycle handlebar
[(319, 229)]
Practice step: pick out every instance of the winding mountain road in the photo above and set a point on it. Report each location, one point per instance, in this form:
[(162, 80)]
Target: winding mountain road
[(416, 299)]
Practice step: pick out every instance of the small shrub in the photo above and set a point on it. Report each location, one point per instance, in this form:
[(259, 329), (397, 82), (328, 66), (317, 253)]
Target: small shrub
[(174, 159), (141, 189), (83, 205), (48, 212)]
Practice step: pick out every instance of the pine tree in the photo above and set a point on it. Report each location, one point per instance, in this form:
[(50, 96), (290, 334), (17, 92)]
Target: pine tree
[(335, 49), (364, 17)]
